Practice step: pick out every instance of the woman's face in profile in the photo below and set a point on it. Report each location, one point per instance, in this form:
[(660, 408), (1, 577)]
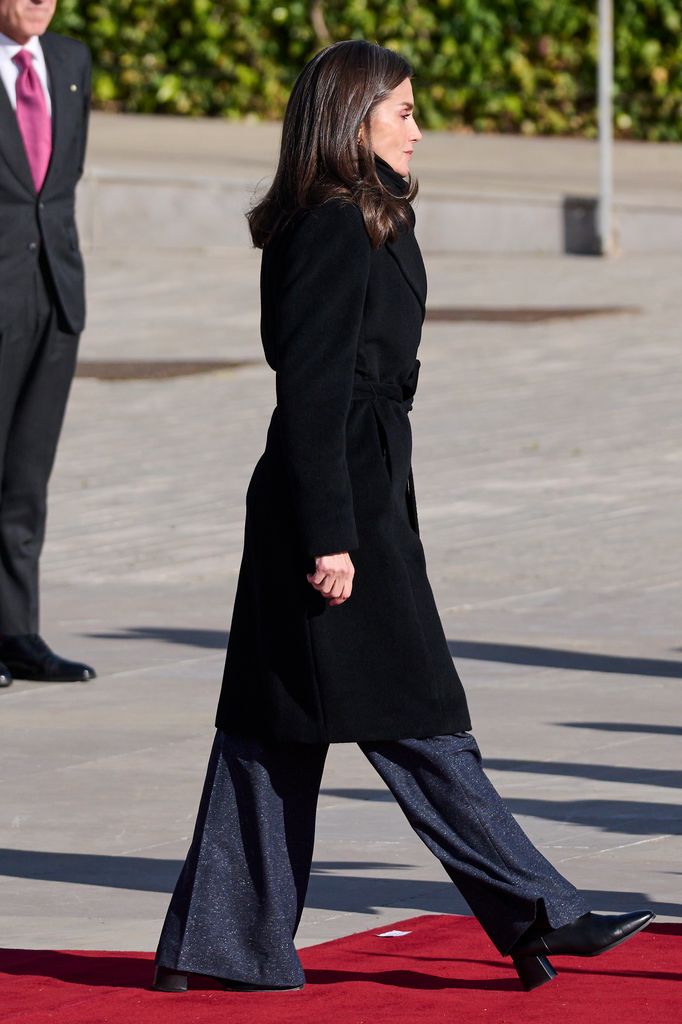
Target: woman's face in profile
[(394, 129)]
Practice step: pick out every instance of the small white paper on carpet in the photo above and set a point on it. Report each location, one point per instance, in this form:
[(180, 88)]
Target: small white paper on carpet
[(391, 935)]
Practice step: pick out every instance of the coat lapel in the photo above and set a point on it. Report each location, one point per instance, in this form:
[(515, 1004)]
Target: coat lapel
[(66, 105), (12, 144), (405, 251)]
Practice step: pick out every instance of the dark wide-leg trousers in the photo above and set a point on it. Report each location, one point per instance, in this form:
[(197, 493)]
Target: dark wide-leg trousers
[(37, 362), (240, 895)]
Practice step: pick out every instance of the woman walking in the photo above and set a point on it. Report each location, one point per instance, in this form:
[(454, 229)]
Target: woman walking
[(335, 634)]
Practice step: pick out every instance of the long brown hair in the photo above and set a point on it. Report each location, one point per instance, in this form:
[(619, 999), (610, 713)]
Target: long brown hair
[(320, 156)]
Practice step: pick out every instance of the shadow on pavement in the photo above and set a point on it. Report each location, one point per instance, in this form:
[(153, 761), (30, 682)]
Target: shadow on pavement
[(510, 654), (599, 772), (333, 884), (623, 817), (209, 639), (577, 661), (654, 730)]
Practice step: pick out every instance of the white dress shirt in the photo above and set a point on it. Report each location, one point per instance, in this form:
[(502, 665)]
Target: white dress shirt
[(9, 72)]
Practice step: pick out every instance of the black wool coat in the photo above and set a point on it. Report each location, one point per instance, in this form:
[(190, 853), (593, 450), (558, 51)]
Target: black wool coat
[(340, 325), (31, 222)]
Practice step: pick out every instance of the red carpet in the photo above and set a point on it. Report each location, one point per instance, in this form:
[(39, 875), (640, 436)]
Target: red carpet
[(445, 969)]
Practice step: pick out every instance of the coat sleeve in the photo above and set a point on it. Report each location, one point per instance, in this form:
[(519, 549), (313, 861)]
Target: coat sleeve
[(318, 321)]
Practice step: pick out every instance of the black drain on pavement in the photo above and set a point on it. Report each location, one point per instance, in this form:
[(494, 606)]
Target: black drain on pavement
[(156, 369), (521, 315)]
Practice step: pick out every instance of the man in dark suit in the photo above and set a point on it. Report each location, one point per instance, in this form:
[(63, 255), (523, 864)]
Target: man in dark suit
[(44, 105)]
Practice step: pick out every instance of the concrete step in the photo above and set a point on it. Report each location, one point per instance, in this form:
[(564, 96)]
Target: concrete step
[(176, 182)]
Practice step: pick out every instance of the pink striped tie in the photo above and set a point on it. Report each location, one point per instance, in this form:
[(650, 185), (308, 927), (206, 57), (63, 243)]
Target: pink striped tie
[(33, 117)]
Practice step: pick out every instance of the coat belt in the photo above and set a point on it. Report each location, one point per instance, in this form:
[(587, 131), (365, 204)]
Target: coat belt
[(401, 393)]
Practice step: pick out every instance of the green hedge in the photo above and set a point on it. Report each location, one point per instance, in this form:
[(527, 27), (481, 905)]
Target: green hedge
[(487, 65)]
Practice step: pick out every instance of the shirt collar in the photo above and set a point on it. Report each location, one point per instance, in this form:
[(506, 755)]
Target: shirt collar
[(12, 47)]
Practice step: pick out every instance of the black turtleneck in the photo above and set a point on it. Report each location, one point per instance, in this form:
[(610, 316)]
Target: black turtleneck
[(388, 177)]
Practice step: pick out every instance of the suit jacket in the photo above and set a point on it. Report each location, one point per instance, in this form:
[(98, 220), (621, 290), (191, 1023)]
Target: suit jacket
[(31, 221), (341, 325)]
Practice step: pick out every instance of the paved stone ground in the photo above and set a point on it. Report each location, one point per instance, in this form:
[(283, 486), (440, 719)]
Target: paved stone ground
[(548, 463)]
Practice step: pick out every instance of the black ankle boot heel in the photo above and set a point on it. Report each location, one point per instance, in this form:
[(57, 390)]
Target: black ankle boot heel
[(533, 971), (166, 980)]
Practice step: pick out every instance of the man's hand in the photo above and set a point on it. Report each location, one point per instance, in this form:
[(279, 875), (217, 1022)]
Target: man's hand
[(333, 577)]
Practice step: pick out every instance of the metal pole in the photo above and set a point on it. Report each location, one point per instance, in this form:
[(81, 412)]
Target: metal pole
[(605, 206)]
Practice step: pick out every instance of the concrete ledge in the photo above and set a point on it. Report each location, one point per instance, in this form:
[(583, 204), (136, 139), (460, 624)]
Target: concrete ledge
[(169, 183), (159, 211), (117, 209)]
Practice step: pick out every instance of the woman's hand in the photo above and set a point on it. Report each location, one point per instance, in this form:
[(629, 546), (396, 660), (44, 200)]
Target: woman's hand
[(333, 577)]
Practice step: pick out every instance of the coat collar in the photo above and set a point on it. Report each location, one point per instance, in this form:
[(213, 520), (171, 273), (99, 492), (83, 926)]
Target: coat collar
[(404, 249), (393, 181)]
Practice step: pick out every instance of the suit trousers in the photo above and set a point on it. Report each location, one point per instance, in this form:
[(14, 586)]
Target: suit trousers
[(240, 895), (37, 363)]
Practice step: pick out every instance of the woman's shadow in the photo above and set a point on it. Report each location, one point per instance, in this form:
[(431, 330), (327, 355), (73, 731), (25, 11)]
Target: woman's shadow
[(135, 970), (114, 970)]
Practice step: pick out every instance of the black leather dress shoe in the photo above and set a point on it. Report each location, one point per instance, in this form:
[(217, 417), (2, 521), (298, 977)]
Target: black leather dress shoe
[(28, 657), (5, 676), (588, 935), (168, 980)]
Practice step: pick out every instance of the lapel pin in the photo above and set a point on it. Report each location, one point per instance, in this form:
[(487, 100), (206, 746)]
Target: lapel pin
[(73, 88)]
